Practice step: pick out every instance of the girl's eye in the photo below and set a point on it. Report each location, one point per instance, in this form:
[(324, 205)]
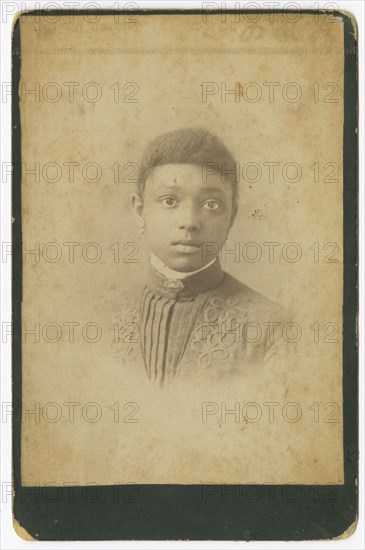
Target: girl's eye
[(212, 204), (168, 202)]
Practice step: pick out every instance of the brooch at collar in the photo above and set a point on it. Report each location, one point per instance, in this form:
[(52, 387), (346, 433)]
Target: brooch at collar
[(173, 284)]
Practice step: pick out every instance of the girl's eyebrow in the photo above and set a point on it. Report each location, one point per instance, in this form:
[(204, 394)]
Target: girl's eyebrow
[(164, 188), (204, 188), (212, 189)]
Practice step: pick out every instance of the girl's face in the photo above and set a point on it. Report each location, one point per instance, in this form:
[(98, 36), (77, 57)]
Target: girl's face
[(181, 213)]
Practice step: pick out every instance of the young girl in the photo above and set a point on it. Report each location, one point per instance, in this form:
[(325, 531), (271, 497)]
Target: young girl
[(193, 316)]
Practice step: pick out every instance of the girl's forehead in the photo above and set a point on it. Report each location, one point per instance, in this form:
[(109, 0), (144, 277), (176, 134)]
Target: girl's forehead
[(187, 176), (175, 171)]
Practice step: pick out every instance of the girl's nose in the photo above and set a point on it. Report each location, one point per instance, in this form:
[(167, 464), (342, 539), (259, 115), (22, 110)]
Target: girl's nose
[(189, 220)]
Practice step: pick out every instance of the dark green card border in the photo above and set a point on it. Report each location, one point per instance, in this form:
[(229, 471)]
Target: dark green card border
[(158, 512)]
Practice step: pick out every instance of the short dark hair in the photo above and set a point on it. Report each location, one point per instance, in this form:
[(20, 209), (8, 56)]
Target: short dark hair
[(189, 146)]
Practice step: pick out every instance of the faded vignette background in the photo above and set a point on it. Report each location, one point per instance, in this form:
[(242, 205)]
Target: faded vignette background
[(169, 57)]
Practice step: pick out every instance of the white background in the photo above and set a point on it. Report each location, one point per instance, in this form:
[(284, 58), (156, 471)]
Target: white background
[(9, 540)]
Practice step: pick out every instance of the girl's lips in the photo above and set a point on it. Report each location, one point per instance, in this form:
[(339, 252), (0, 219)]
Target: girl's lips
[(187, 248), (187, 242)]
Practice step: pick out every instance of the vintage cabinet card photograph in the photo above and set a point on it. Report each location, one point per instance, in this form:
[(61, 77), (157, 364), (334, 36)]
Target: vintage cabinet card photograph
[(185, 274)]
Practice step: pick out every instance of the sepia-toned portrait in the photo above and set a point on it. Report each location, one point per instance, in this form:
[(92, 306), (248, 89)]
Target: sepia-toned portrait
[(194, 319), (182, 218)]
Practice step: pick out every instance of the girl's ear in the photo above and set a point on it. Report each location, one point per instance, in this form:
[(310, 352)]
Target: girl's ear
[(137, 204)]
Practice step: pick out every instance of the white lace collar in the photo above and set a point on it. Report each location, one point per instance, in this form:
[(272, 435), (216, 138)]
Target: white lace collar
[(171, 273)]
